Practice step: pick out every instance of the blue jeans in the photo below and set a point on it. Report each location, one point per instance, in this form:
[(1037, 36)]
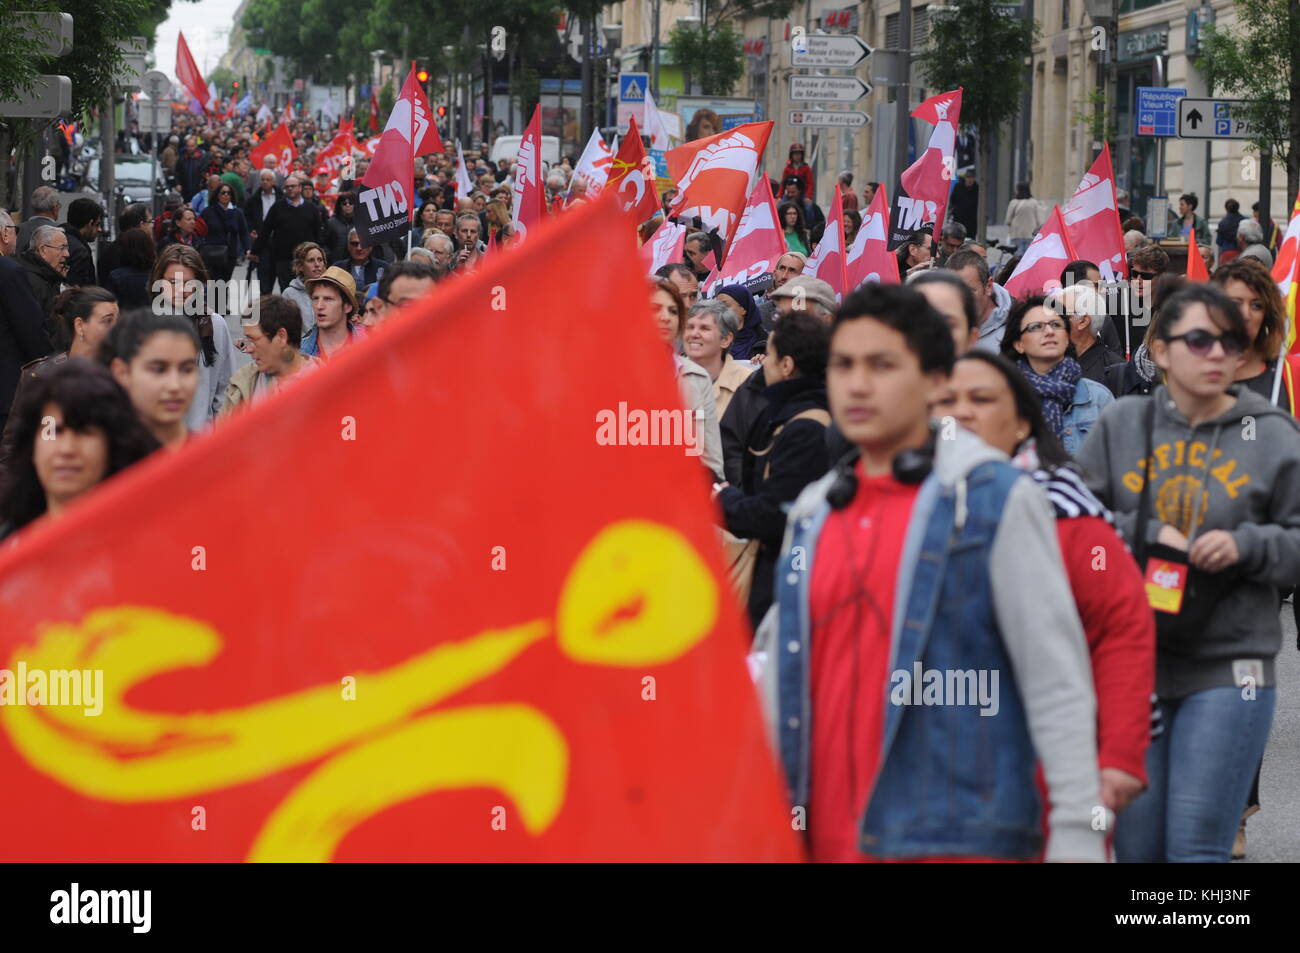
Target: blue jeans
[(1199, 774)]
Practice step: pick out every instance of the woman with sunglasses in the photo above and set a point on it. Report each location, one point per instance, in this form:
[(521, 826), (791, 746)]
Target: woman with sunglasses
[(337, 227), (1038, 342), (227, 227), (1220, 484)]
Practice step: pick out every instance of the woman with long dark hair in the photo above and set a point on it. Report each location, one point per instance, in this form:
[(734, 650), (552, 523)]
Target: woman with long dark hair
[(178, 275), (989, 397), (76, 428), (916, 252), (228, 240), (1247, 282), (793, 227), (129, 281), (1204, 479), (155, 359), (1037, 341)]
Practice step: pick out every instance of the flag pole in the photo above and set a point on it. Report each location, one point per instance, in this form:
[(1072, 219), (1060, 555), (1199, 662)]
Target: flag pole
[(411, 212)]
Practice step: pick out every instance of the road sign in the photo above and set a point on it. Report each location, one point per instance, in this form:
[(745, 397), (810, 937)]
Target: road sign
[(827, 89), (50, 96), (155, 115), (156, 84), (632, 89), (832, 52), (58, 27), (1214, 119), (133, 61), (1157, 110), (820, 117)]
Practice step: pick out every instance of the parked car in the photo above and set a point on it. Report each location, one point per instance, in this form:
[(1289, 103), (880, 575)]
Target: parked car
[(507, 147)]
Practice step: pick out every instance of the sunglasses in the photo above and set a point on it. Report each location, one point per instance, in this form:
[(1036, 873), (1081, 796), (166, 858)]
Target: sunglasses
[(1201, 342), (1145, 275)]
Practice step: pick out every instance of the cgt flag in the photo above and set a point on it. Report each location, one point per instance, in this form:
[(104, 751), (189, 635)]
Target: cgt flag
[(870, 258), (1045, 258), (632, 177), (717, 174), (384, 206), (925, 185), (279, 144), (538, 662)]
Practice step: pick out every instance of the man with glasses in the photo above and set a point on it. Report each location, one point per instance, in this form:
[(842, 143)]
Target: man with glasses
[(1144, 266), (950, 241), (8, 235), (361, 262), (46, 264), (23, 337), (291, 221), (1084, 309), (406, 282)]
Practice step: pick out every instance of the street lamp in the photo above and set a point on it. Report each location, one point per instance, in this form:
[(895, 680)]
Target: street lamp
[(377, 56)]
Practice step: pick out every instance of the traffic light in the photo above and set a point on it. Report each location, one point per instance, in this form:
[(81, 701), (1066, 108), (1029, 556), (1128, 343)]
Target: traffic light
[(422, 76), (236, 85), (442, 112)]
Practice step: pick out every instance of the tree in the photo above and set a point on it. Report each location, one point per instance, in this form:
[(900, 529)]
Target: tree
[(715, 59), (976, 47), (1260, 61)]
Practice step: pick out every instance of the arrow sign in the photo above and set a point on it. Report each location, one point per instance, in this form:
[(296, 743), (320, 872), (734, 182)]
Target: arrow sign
[(818, 117), (835, 52), (1194, 118), (827, 89), (1214, 119)]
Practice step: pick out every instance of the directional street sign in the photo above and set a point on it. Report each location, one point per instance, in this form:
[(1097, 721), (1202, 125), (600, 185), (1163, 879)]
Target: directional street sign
[(57, 39), (827, 89), (1213, 119), (832, 52), (133, 61), (818, 117), (1157, 110), (155, 115), (50, 96)]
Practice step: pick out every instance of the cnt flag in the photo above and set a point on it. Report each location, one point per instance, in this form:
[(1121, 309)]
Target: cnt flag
[(924, 186), (417, 676), (1045, 258), (757, 245), (384, 206), (827, 261), (870, 258), (664, 247), (717, 174), (1092, 219)]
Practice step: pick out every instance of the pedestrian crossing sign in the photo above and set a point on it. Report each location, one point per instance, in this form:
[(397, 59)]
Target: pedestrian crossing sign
[(632, 87)]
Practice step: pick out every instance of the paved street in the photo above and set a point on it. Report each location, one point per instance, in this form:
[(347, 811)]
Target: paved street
[(1273, 834)]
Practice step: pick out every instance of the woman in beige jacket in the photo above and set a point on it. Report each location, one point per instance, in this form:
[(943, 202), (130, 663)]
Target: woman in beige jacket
[(1024, 218)]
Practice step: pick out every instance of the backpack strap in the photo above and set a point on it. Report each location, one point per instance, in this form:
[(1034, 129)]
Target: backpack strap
[(823, 417)]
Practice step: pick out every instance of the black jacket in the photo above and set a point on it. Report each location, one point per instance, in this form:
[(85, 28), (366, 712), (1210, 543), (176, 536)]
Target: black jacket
[(23, 334), (1095, 361), (786, 456), (336, 237), (253, 209), (81, 263), (285, 228), (743, 414), (1124, 379), (191, 172), (45, 283), (373, 271), (110, 257)]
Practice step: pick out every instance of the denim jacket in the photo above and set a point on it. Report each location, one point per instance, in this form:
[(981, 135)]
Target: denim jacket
[(980, 587), (1090, 399)]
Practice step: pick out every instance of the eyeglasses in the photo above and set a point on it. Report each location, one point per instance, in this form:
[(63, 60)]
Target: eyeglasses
[(1038, 326), (1201, 342), (354, 244), (1144, 275)]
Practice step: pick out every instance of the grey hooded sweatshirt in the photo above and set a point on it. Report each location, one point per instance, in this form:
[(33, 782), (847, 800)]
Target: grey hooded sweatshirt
[(1239, 472)]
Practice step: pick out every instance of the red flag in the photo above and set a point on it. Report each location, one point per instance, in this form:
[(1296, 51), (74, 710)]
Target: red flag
[(279, 144), (1048, 254), (870, 258), (529, 205), (374, 110), (1092, 218), (716, 175), (758, 243), (377, 692), (188, 73), (827, 261), (925, 185), (1196, 270), (385, 206), (346, 124), (664, 247), (632, 176), (1286, 272)]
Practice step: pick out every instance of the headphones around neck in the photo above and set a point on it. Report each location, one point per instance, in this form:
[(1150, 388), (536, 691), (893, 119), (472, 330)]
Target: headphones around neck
[(909, 467)]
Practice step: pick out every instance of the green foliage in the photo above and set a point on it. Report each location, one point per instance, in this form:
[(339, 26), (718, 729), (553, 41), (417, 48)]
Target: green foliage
[(1259, 60), (714, 58), (1097, 117), (977, 48)]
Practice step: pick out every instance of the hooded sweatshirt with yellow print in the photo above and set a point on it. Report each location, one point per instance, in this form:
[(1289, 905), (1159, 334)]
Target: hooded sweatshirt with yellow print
[(1239, 472)]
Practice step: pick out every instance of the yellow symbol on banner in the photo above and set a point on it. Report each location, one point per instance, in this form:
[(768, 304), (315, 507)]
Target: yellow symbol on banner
[(638, 594)]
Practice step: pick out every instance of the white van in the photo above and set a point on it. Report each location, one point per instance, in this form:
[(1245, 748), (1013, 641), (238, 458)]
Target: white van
[(507, 147)]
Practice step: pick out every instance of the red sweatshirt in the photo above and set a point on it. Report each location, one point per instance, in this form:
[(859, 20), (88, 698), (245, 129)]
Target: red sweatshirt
[(1121, 633)]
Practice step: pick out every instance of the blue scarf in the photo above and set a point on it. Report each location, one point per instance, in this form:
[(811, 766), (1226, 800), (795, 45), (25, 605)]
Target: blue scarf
[(1055, 389)]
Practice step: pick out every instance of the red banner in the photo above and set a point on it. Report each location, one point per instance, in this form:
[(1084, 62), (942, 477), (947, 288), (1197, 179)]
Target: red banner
[(664, 247), (924, 186), (827, 261), (869, 258), (455, 653), (1092, 218), (717, 174), (528, 207), (1044, 260), (632, 177), (188, 73), (758, 243), (278, 143)]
